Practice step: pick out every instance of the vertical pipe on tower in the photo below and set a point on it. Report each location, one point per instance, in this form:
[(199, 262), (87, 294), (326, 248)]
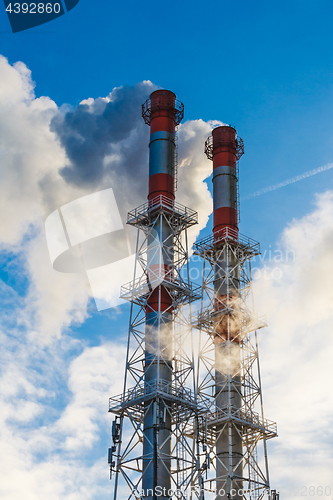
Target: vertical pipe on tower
[(162, 113), (223, 150)]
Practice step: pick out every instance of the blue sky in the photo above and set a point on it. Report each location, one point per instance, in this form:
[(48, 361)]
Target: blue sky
[(264, 67)]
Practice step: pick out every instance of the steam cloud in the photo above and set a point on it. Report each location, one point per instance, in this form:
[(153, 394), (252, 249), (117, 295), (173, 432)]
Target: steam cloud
[(52, 156), (97, 129), (228, 358), (43, 440)]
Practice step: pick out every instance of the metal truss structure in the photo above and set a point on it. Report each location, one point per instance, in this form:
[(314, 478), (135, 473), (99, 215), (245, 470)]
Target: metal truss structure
[(162, 230), (238, 373), (189, 423), (190, 399)]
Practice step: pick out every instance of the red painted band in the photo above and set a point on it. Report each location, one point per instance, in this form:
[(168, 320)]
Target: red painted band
[(153, 301), (225, 159), (161, 184), (224, 216), (162, 121)]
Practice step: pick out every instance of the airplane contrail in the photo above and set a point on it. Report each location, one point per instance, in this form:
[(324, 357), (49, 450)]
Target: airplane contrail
[(296, 178)]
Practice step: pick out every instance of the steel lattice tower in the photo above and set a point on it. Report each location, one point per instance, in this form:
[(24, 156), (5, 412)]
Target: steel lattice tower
[(155, 451), (228, 375), (190, 420)]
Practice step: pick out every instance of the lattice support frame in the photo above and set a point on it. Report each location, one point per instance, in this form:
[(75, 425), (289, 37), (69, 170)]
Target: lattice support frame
[(248, 420), (177, 397)]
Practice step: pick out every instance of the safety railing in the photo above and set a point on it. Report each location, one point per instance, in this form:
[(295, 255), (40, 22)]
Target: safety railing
[(234, 413), (227, 234), (163, 101), (161, 202), (146, 283), (143, 391)]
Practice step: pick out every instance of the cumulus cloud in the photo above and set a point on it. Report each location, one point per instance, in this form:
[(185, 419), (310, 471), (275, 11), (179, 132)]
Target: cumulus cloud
[(193, 169), (101, 128), (54, 387), (296, 291), (27, 148), (89, 385), (29, 154), (45, 440), (53, 156), (106, 145)]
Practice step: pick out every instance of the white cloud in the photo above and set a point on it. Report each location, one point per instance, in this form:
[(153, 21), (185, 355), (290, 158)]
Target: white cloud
[(34, 184), (95, 372), (54, 389), (194, 168), (51, 449), (30, 154), (27, 150), (297, 350)]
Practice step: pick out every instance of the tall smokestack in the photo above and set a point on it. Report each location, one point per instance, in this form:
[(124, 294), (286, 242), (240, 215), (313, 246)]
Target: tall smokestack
[(157, 402), (162, 116), (190, 424), (224, 149), (161, 113)]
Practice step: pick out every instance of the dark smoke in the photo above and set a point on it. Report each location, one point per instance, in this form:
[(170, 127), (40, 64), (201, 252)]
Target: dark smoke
[(89, 133)]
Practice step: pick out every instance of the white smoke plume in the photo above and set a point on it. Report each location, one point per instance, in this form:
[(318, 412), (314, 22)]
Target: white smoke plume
[(53, 156), (53, 438), (54, 386), (228, 358)]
